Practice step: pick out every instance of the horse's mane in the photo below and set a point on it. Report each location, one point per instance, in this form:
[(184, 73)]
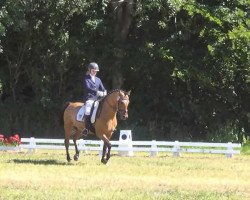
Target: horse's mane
[(110, 92), (115, 90), (103, 99)]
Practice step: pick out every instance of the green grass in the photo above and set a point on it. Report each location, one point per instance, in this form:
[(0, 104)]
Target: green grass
[(246, 148), (47, 175)]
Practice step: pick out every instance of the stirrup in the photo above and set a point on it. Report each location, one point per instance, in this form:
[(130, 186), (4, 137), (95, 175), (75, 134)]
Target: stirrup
[(85, 132)]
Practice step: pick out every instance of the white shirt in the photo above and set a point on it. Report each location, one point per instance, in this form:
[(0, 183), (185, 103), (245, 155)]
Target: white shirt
[(93, 78)]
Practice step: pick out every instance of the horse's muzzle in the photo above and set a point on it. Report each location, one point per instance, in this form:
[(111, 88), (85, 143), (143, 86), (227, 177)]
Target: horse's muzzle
[(123, 115)]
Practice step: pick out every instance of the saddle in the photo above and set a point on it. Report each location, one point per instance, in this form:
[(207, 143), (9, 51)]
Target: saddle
[(93, 111), (94, 114)]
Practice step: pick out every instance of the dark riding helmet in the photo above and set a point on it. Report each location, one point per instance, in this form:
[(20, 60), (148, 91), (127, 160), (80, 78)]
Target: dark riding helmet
[(94, 66)]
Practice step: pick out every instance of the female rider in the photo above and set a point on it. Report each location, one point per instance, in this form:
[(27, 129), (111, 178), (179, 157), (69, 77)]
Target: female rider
[(94, 89)]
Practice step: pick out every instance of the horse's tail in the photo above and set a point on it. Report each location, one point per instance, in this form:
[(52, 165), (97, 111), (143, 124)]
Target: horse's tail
[(65, 105)]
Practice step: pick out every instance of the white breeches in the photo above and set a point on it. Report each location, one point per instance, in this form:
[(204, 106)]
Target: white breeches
[(88, 106)]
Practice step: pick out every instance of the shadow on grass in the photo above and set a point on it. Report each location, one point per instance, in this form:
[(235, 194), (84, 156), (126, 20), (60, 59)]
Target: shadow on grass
[(40, 162)]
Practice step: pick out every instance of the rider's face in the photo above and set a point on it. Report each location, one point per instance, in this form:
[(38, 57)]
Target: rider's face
[(93, 72)]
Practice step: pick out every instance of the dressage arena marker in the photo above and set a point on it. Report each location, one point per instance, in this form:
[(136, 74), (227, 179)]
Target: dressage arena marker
[(129, 147), (125, 141)]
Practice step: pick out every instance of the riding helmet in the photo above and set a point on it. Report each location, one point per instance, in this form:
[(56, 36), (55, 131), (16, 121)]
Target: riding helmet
[(94, 66)]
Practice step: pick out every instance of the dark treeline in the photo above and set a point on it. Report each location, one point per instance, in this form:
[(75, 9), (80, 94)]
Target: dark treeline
[(186, 62)]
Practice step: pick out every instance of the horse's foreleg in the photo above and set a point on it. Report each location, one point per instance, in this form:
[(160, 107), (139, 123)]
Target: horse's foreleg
[(106, 145), (108, 153), (104, 160)]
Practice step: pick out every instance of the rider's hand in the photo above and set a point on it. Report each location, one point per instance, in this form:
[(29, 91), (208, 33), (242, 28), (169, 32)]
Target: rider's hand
[(99, 93), (105, 93)]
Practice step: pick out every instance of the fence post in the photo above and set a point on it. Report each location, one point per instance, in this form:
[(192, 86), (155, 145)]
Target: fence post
[(176, 149), (229, 153), (154, 150), (101, 149), (81, 145), (32, 145)]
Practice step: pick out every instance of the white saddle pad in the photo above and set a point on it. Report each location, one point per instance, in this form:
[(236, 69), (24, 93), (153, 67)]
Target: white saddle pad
[(80, 114)]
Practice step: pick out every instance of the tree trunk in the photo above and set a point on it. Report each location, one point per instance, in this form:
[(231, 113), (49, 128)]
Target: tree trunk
[(123, 15)]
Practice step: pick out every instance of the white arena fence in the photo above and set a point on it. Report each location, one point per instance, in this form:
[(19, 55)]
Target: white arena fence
[(128, 148)]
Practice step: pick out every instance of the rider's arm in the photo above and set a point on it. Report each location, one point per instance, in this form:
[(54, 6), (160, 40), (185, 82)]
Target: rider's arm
[(101, 87), (102, 91), (88, 87)]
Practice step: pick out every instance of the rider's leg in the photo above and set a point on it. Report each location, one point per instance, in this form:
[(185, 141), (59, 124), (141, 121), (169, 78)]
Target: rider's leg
[(87, 117)]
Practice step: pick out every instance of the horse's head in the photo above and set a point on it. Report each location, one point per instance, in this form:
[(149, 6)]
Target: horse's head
[(123, 102)]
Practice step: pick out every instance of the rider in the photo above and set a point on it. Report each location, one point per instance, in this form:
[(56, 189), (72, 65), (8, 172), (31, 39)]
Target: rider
[(94, 89)]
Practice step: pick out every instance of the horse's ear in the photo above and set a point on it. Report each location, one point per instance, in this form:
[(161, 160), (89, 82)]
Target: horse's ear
[(128, 93)]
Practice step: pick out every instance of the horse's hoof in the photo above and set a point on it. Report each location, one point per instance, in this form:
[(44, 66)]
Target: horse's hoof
[(76, 157), (104, 161), (68, 158)]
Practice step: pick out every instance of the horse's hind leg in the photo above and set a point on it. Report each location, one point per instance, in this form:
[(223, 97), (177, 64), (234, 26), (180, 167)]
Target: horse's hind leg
[(66, 142), (67, 129), (76, 136)]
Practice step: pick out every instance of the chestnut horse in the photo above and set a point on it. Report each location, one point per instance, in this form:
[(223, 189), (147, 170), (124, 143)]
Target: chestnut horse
[(105, 124)]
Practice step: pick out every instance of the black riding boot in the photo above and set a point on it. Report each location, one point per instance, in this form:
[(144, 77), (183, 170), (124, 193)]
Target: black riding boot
[(85, 132)]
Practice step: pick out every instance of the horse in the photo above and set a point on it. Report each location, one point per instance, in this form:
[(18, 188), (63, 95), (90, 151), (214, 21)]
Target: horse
[(116, 101)]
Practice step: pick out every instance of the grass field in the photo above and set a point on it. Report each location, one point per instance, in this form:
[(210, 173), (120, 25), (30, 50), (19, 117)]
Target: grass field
[(46, 175)]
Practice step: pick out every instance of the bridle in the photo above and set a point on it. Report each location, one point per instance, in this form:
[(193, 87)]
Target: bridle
[(117, 108)]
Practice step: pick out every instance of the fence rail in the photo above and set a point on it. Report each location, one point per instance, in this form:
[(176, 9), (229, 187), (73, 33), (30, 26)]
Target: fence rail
[(128, 147)]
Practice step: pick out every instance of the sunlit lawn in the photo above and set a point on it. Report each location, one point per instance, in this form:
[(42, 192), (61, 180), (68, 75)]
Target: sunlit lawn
[(46, 175)]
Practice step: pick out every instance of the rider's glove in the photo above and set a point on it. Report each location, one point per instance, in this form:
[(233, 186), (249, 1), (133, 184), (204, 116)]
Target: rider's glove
[(101, 94), (105, 93)]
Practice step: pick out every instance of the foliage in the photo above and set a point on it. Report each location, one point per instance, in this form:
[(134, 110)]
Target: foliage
[(187, 63), (246, 148)]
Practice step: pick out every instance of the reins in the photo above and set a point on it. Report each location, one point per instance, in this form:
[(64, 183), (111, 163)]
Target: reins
[(104, 99)]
